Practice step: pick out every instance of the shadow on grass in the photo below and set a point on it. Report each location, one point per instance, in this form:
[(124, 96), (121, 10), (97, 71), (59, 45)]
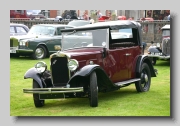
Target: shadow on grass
[(103, 98), (24, 58), (162, 63)]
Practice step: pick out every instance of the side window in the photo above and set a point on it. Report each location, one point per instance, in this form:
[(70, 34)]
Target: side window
[(122, 33), (58, 32), (123, 38), (12, 30), (20, 30)]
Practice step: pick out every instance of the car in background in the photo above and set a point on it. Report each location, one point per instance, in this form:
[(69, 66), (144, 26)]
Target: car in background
[(161, 50), (101, 63), (40, 42), (18, 29), (58, 18), (28, 14), (77, 23), (121, 18), (147, 19)]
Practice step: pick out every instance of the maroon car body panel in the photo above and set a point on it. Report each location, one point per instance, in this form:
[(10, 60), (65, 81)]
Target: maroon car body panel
[(116, 64)]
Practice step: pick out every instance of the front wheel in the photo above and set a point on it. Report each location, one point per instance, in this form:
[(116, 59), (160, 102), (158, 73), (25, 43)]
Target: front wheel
[(144, 84), (39, 53), (37, 101), (93, 90)]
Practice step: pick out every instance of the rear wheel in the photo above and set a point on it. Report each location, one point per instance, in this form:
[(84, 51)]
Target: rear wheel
[(93, 90), (144, 84), (37, 101)]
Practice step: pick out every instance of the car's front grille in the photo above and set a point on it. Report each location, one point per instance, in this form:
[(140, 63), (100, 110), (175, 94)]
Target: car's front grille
[(59, 71), (166, 46), (13, 42)]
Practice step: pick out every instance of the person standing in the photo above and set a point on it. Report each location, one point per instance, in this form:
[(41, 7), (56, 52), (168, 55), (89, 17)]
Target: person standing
[(85, 16), (99, 14)]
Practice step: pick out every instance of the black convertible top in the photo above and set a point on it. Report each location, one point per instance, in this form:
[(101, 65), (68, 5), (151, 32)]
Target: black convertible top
[(109, 24), (112, 25)]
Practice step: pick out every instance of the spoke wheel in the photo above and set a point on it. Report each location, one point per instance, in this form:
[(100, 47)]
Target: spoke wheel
[(144, 84)]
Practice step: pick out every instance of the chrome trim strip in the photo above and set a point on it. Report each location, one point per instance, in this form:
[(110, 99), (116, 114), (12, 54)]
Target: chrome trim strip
[(24, 50), (127, 82), (53, 90)]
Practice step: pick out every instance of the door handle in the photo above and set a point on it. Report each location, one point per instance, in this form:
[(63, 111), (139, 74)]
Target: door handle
[(128, 54)]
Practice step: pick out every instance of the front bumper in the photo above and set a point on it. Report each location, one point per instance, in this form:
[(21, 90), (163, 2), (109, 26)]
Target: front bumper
[(53, 90), (14, 50)]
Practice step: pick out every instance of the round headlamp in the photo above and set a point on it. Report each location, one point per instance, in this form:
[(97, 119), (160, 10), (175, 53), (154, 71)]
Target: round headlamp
[(41, 66), (73, 65), (22, 43)]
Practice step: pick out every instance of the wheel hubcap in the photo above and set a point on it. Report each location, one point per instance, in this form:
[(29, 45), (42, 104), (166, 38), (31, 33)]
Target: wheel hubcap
[(146, 78), (39, 53)]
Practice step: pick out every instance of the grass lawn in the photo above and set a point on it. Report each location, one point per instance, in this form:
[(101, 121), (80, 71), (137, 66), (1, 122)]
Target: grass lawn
[(123, 102)]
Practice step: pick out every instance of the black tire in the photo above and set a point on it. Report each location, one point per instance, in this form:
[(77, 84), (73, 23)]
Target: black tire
[(144, 84), (39, 53), (154, 60), (93, 90), (37, 101)]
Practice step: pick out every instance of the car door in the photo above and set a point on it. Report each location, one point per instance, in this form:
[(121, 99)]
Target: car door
[(55, 41), (115, 64), (132, 55), (133, 51)]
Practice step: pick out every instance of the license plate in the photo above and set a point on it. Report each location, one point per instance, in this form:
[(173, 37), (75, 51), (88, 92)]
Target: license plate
[(12, 50)]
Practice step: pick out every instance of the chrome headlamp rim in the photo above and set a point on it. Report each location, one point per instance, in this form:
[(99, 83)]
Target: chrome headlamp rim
[(23, 42), (73, 64), (41, 66)]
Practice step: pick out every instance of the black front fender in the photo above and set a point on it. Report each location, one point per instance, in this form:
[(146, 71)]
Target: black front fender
[(86, 70), (144, 59), (103, 79), (33, 73)]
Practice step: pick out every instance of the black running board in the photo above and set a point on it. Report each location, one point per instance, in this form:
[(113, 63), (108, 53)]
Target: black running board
[(127, 82)]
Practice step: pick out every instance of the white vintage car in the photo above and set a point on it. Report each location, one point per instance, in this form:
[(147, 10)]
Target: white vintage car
[(161, 50)]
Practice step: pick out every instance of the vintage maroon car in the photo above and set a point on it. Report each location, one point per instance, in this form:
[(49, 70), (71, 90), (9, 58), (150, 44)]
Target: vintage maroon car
[(107, 61)]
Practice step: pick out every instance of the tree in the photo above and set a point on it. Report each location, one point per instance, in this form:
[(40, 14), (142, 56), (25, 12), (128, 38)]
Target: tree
[(69, 14)]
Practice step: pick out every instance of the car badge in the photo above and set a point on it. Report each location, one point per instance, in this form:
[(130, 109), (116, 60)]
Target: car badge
[(54, 62)]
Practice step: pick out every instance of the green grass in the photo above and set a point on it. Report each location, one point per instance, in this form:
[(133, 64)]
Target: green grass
[(124, 102)]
